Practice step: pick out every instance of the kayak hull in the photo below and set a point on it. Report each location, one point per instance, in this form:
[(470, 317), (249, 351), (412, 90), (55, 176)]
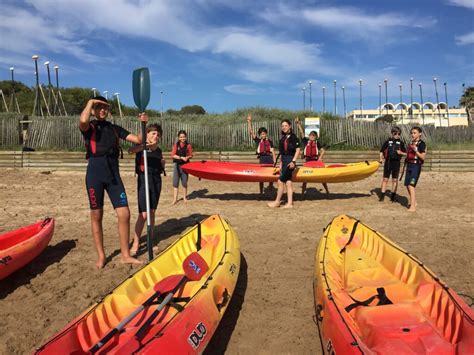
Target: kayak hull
[(309, 172), (373, 297), (21, 246), (183, 327)]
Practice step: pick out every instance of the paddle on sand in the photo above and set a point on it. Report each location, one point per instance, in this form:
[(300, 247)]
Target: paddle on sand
[(141, 96), (194, 267)]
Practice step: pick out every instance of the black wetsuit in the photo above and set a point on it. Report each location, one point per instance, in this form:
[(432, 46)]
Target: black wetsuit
[(155, 169), (392, 159), (287, 148)]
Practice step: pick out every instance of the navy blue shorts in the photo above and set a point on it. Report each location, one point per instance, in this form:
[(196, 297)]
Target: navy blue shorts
[(265, 159), (412, 174), (154, 186), (285, 172), (391, 167), (103, 175)]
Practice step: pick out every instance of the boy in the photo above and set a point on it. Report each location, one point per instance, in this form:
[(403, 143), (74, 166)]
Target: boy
[(391, 153), (102, 143), (156, 165), (416, 156)]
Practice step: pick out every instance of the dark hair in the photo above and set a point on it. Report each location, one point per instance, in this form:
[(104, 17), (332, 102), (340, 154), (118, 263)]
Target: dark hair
[(182, 132), (262, 129), (154, 127), (396, 129), (314, 132), (101, 98), (418, 128)]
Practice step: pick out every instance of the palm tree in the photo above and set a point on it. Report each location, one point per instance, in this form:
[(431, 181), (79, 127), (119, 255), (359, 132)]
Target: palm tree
[(467, 101)]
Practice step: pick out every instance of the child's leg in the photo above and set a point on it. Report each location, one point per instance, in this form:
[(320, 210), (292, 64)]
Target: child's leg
[(98, 234), (383, 187), (394, 185), (277, 201), (175, 195), (260, 185), (185, 193), (326, 187), (139, 224), (175, 183), (184, 181), (289, 194), (303, 188), (123, 216), (411, 192)]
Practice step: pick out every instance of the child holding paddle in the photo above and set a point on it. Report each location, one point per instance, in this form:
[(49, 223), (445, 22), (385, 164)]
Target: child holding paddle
[(312, 151), (416, 156), (181, 153), (265, 151), (390, 154), (289, 148), (156, 165), (102, 143)]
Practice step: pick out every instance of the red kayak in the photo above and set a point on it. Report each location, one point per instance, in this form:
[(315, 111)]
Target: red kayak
[(19, 247)]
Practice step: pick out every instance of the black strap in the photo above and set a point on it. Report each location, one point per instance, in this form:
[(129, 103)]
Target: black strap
[(350, 238), (381, 295), (198, 243)]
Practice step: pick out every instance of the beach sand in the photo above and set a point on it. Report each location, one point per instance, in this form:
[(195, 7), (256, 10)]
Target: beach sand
[(272, 309)]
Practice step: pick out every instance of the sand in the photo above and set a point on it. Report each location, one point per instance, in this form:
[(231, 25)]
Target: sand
[(272, 309)]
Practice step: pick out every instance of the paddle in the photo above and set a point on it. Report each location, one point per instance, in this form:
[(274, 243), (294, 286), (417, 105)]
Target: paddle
[(141, 96), (194, 267), (333, 144)]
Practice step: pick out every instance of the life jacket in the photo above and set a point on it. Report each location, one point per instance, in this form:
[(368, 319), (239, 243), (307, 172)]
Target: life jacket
[(285, 143), (391, 151), (154, 162), (411, 154), (181, 151), (311, 150), (103, 140), (263, 147)]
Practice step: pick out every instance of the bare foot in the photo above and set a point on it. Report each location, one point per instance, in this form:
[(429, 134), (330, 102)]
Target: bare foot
[(130, 260), (174, 202), (412, 209), (185, 200), (134, 248), (288, 206), (100, 263), (273, 204)]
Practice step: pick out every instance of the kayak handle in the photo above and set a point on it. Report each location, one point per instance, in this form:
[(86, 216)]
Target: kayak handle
[(224, 301), (319, 311)]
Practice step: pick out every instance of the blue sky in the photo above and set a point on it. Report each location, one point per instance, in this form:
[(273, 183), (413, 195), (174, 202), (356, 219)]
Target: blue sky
[(226, 54)]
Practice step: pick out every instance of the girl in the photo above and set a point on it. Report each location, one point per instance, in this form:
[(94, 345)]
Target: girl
[(181, 153), (265, 151), (156, 165), (289, 148)]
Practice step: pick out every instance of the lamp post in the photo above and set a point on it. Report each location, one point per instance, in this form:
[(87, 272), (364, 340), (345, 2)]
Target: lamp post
[(344, 100), (106, 93), (386, 96), (401, 101), (411, 97), (94, 91), (324, 99), (14, 101), (50, 87), (304, 98), (116, 94), (360, 97), (310, 98), (380, 100), (446, 99), (335, 98), (422, 104), (437, 101), (37, 110), (161, 103)]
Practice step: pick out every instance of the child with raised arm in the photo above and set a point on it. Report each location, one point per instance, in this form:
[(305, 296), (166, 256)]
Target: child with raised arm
[(102, 143), (264, 147), (155, 166), (181, 153), (289, 148), (312, 151), (390, 154), (416, 155)]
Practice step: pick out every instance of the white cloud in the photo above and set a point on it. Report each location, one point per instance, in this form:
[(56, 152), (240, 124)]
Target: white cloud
[(468, 38), (243, 89), (462, 3)]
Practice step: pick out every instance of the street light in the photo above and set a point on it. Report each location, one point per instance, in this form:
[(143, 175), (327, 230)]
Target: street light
[(37, 110), (324, 99), (380, 99), (14, 101), (106, 93), (386, 95), (49, 84), (360, 97), (304, 98), (437, 100), (310, 98), (116, 94), (94, 92), (335, 98), (161, 98), (411, 97), (344, 101), (446, 99), (401, 100), (422, 104)]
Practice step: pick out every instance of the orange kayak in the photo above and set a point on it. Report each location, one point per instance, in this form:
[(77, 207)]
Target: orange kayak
[(19, 247), (183, 326), (373, 297)]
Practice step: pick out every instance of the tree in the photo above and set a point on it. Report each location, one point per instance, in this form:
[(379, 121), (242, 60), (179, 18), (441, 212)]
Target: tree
[(467, 101), (193, 110), (385, 118)]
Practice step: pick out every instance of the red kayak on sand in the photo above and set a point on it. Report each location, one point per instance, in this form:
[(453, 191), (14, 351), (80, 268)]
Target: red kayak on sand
[(19, 247)]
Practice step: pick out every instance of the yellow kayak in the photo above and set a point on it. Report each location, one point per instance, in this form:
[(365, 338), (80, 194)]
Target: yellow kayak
[(186, 324), (373, 297)]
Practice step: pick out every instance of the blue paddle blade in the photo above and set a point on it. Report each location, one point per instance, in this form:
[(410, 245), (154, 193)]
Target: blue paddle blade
[(141, 88)]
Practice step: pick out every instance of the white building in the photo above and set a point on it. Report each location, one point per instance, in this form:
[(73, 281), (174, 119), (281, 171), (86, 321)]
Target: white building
[(429, 113)]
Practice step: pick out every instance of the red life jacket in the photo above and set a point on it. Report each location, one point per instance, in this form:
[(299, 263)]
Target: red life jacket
[(102, 141), (411, 154), (311, 150), (263, 147), (181, 151)]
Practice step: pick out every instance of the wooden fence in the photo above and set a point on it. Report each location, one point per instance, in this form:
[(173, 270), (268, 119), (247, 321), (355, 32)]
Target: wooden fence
[(62, 133), (457, 161)]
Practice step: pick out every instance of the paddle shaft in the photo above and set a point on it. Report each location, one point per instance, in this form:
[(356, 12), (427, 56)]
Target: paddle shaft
[(147, 196), (333, 144)]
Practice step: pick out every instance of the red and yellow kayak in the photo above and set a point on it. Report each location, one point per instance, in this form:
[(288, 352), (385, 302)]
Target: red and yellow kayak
[(186, 325), (245, 172), (373, 297), (19, 247)]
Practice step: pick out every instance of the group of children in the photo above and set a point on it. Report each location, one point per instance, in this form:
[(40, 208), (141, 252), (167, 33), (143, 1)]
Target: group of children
[(101, 138)]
